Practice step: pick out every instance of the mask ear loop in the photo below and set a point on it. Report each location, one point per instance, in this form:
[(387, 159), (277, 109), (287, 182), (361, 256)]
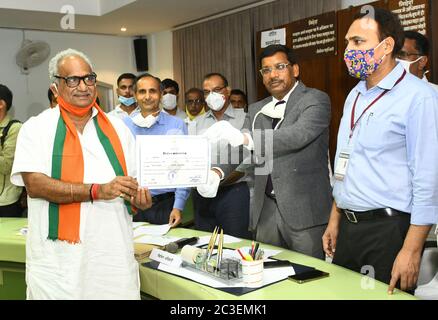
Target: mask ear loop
[(253, 122), (384, 56)]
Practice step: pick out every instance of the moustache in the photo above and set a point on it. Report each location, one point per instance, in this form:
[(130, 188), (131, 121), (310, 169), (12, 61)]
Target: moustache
[(147, 102), (275, 81)]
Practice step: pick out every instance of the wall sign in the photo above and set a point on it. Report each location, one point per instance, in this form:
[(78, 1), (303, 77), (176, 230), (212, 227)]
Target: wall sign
[(315, 36)]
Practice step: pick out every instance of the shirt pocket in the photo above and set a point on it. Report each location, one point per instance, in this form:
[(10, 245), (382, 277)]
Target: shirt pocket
[(376, 134)]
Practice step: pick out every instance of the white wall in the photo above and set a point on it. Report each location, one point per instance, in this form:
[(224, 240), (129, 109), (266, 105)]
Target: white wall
[(160, 54), (346, 3), (110, 55)]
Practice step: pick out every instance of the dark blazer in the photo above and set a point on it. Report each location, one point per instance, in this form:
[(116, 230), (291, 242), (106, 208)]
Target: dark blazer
[(298, 159)]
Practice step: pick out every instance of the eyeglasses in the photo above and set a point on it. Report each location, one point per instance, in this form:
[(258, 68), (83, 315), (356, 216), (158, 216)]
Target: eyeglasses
[(196, 102), (217, 90), (405, 55), (74, 81), (279, 67)]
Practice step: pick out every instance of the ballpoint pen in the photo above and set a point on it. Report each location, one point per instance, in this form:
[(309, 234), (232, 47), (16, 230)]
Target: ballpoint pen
[(220, 248), (214, 236), (241, 254), (211, 239), (254, 253)]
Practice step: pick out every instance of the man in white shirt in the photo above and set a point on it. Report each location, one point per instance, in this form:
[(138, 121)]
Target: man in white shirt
[(229, 208), (414, 55), (195, 107), (169, 101), (125, 91), (78, 166)]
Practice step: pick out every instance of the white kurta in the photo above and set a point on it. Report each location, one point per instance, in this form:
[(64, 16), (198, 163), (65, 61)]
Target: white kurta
[(102, 266)]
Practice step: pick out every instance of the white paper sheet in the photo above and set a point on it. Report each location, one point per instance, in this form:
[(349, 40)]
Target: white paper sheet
[(135, 225), (206, 239), (269, 276), (152, 230), (156, 240), (172, 161)]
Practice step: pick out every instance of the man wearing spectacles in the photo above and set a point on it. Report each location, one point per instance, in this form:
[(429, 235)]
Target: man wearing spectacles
[(229, 206), (195, 107), (288, 134), (414, 55), (78, 166)]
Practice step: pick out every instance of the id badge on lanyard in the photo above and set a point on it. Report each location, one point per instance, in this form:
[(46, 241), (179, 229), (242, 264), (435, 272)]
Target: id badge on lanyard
[(342, 163), (345, 154)]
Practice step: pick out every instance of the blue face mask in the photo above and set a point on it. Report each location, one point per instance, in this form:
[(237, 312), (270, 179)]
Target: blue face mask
[(126, 101)]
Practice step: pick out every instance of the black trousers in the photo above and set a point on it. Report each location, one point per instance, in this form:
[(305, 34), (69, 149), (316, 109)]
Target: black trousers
[(228, 210), (157, 214), (371, 244), (12, 210)]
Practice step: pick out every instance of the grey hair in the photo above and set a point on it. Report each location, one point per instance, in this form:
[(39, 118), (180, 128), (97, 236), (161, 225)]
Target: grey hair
[(54, 62)]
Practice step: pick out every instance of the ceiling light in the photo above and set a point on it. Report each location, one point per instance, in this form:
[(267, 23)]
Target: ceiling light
[(123, 29)]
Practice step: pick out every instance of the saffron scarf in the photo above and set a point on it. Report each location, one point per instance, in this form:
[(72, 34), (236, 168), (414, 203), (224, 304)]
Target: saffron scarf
[(68, 166)]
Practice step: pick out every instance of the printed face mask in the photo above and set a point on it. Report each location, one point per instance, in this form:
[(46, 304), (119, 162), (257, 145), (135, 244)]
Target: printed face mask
[(215, 101), (169, 101), (362, 63)]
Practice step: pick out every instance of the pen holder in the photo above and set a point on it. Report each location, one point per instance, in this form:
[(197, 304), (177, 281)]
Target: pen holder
[(197, 259), (252, 272)]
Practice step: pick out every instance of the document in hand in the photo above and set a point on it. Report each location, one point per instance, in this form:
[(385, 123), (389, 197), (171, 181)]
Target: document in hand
[(172, 161)]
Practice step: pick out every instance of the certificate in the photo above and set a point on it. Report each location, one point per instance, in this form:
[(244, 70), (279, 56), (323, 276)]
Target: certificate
[(172, 161)]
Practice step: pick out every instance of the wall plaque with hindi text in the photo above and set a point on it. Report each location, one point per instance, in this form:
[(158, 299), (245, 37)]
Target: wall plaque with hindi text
[(273, 37), (413, 14), (315, 36)]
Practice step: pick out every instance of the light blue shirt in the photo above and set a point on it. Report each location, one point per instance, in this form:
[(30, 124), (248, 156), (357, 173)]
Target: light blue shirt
[(394, 157), (165, 125)]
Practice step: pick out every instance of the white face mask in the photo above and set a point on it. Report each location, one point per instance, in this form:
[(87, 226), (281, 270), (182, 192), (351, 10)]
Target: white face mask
[(272, 111), (147, 122), (169, 101), (407, 64), (215, 101)]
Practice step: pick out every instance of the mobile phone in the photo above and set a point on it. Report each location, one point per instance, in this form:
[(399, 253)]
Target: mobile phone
[(276, 264), (308, 276)]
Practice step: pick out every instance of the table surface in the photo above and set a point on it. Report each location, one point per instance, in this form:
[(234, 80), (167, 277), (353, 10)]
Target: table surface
[(341, 284)]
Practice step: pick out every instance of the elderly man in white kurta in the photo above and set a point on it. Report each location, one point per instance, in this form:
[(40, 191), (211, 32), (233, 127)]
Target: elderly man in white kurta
[(78, 167)]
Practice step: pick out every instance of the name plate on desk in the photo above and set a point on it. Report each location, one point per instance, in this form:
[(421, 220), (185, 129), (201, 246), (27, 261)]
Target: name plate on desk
[(172, 161), (165, 258)]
